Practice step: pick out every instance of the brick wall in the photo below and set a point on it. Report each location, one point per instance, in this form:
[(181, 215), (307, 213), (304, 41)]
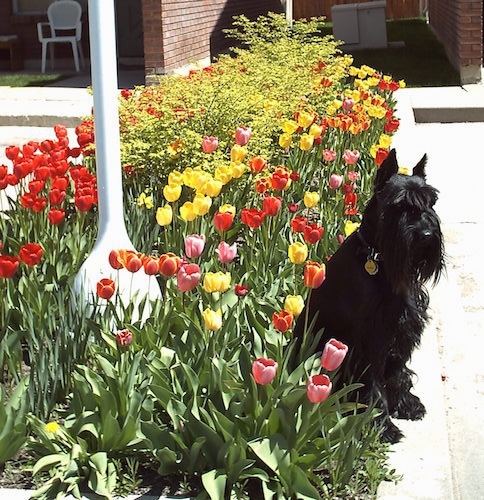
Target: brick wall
[(180, 32), (458, 25)]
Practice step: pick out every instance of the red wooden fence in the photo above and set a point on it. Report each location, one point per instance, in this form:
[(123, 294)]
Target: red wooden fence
[(395, 9)]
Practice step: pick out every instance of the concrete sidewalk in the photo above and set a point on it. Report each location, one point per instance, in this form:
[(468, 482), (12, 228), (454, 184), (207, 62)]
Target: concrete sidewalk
[(442, 456)]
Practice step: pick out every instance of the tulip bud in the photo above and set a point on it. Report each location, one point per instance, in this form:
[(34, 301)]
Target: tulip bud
[(334, 353), (318, 388), (264, 370)]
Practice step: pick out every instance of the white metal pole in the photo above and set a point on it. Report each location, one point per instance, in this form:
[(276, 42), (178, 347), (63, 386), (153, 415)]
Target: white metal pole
[(112, 232), (289, 15)]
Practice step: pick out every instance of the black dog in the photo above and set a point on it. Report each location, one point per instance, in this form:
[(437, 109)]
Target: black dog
[(374, 299)]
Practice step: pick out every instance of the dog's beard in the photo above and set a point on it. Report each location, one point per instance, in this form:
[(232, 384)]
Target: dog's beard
[(412, 251)]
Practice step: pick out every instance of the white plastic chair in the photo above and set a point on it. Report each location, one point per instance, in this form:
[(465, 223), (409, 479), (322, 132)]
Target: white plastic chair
[(65, 27)]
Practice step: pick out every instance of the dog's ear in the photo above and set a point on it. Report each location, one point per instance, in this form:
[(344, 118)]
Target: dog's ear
[(388, 168), (419, 168)]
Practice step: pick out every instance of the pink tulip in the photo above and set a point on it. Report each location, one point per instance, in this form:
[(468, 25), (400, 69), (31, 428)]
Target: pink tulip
[(348, 103), (329, 155), (318, 388), (226, 253), (188, 277), (334, 353), (209, 144), (264, 370), (351, 157), (194, 245), (242, 135), (335, 181)]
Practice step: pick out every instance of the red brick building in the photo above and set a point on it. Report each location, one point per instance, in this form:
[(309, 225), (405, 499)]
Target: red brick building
[(458, 25), (164, 35)]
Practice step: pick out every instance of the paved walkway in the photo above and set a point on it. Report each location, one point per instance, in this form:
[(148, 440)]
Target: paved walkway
[(442, 456)]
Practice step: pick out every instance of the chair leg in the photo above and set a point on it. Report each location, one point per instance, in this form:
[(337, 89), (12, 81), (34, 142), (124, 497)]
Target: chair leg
[(81, 53), (76, 56), (51, 55), (44, 54)]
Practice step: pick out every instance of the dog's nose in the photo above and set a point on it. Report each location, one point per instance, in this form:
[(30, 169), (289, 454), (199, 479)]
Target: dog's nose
[(425, 234)]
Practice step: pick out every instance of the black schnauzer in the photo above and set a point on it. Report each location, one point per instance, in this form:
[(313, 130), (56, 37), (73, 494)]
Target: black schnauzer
[(374, 299)]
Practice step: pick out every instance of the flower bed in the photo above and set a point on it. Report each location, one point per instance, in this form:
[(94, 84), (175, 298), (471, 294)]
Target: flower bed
[(240, 180)]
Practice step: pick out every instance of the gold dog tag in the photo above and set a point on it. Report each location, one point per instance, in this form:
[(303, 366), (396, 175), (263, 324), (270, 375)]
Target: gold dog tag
[(371, 267)]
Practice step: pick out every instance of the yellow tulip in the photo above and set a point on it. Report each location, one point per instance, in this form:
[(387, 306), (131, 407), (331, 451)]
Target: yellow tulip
[(212, 319), (175, 178), (315, 130), (237, 170), (201, 204), (172, 193), (294, 304), (350, 227), (145, 201), (285, 140), (199, 179), (216, 282), (298, 252), (311, 199), (306, 142), (213, 187), (385, 141), (187, 211), (289, 126), (164, 215), (237, 153), (223, 174), (227, 207), (305, 119)]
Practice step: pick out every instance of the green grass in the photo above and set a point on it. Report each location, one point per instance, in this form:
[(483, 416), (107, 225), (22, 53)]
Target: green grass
[(28, 80), (421, 61)]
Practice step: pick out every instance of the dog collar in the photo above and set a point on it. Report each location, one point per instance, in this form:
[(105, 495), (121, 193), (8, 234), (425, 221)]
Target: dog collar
[(372, 256)]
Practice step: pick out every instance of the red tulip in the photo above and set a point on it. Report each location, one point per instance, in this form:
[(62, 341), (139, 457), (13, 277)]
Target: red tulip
[(133, 262), (169, 264), (8, 266), (241, 290), (271, 205), (150, 265), (57, 196), (105, 288), (252, 217), (31, 254), (298, 224), (282, 321), (223, 221), (115, 259), (264, 370), (262, 185), (257, 164), (314, 274), (56, 215), (318, 388), (312, 233), (124, 338), (334, 353)]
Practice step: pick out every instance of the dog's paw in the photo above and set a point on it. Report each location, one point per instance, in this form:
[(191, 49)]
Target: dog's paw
[(409, 407), (391, 433)]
